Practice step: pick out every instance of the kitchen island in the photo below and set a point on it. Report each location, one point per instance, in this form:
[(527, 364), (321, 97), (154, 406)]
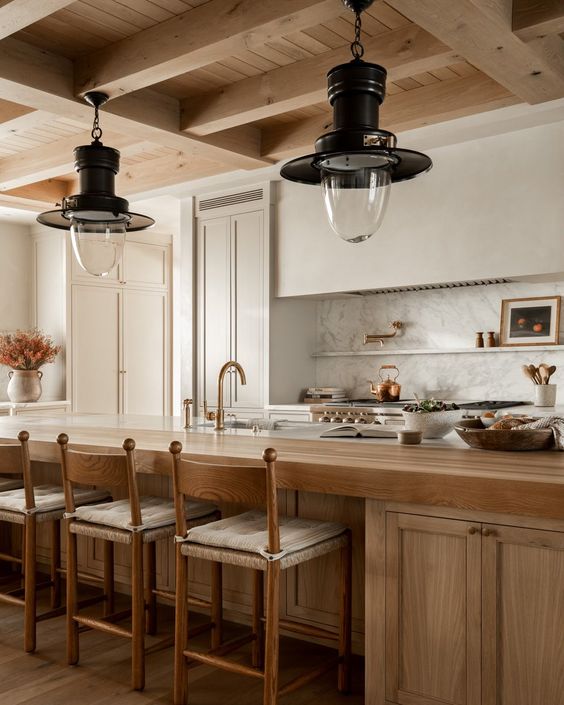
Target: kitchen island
[(462, 551)]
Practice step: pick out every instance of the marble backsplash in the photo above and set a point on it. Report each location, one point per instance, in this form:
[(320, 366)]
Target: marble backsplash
[(435, 319)]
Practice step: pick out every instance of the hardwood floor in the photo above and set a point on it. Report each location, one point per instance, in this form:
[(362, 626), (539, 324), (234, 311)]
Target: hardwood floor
[(103, 675)]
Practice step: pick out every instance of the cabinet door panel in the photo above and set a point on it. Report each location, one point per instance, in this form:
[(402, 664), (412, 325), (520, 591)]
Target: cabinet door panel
[(145, 354), (523, 613), (214, 315), (96, 349), (433, 611), (145, 264), (248, 306)]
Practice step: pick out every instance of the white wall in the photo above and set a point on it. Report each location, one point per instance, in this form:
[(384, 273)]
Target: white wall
[(15, 284), (491, 207)]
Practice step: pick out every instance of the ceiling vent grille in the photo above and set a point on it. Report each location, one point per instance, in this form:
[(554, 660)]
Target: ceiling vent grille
[(430, 287), (231, 199)]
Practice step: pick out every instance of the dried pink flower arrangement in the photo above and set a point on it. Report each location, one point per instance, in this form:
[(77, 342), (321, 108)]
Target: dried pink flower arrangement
[(27, 349)]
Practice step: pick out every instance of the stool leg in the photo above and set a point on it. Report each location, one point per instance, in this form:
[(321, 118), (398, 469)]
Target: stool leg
[(180, 627), (216, 604), (270, 696), (137, 613), (258, 611), (55, 563), (72, 597), (150, 586), (22, 566), (30, 600), (345, 594), (109, 591)]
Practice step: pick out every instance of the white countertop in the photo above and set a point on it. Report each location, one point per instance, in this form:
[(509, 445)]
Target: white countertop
[(33, 404)]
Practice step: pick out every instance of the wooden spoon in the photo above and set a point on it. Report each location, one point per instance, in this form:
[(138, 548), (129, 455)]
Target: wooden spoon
[(527, 372), (546, 372), (543, 372), (535, 374)]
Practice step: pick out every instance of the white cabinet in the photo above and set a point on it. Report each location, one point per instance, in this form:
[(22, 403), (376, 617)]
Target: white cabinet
[(232, 306), (119, 336), (119, 350), (237, 316), (96, 349)]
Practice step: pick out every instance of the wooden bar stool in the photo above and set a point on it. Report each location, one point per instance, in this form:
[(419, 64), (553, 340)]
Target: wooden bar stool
[(29, 507), (267, 544), (136, 521)]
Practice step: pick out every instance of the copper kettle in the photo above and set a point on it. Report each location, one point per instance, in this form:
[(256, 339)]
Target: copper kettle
[(387, 389)]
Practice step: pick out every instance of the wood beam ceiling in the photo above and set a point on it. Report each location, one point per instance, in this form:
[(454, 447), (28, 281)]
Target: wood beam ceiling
[(404, 52), (17, 14), (403, 111), (536, 20), (51, 160), (481, 30), (32, 77), (208, 33)]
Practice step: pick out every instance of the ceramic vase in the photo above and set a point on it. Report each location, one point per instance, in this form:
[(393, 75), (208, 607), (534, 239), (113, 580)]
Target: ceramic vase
[(24, 385)]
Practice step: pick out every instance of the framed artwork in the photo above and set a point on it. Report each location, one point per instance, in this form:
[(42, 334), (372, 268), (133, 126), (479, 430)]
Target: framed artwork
[(534, 321)]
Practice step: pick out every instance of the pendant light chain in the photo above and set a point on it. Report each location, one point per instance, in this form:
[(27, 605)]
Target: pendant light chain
[(356, 47), (96, 129)]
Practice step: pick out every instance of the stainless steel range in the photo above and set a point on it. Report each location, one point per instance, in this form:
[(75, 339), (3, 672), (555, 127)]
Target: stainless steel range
[(364, 411)]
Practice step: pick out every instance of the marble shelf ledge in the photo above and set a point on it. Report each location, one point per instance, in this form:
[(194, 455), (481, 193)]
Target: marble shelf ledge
[(440, 351)]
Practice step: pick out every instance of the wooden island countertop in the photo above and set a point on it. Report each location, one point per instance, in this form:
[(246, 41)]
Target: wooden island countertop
[(443, 473)]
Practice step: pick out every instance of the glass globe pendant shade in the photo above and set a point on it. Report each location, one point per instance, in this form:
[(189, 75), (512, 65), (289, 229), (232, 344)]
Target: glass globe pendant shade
[(97, 245), (355, 201)]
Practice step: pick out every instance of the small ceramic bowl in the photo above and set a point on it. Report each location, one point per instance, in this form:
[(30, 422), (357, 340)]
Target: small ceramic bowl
[(488, 421), (409, 438)]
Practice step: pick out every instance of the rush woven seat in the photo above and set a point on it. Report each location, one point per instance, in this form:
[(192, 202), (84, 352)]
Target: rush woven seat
[(29, 506), (136, 521), (266, 543)]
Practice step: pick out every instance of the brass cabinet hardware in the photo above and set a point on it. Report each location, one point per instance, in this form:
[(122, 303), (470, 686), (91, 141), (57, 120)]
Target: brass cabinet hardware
[(379, 338), (487, 532), (187, 412), (472, 530)]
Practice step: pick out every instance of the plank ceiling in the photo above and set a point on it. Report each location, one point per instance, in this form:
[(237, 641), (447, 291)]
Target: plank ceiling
[(201, 87)]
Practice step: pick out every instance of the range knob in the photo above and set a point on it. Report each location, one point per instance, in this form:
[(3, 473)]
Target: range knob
[(337, 418), (325, 419), (349, 419), (363, 418)]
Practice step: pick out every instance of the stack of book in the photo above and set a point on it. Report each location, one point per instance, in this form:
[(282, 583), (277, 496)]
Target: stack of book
[(322, 395)]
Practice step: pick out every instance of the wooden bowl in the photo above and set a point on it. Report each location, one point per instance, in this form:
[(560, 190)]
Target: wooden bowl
[(473, 432)]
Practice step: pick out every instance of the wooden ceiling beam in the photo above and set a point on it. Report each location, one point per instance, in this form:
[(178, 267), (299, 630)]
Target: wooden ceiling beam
[(205, 34), (35, 78), (481, 30), (536, 20), (404, 52), (50, 160), (18, 14), (48, 192), (418, 107)]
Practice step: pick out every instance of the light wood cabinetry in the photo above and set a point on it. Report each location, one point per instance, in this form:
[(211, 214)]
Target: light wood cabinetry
[(432, 611), (473, 613), (119, 335), (522, 616)]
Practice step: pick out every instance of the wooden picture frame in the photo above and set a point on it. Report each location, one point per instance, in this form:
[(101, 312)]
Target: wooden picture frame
[(530, 321)]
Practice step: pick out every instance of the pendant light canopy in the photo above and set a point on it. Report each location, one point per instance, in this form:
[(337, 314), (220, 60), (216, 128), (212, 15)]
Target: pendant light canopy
[(356, 162), (97, 219)]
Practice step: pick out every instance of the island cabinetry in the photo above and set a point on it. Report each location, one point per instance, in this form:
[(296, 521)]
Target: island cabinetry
[(432, 610), (522, 616), (472, 613)]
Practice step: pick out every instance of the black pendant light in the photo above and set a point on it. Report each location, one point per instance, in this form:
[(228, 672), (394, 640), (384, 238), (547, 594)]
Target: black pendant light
[(356, 162), (97, 219)]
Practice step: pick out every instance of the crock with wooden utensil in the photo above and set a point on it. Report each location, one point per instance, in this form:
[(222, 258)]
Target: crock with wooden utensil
[(545, 393)]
